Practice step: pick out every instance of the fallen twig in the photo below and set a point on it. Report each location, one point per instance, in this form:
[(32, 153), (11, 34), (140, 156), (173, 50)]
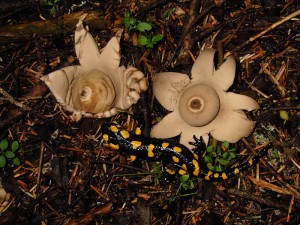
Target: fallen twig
[(13, 101), (294, 14)]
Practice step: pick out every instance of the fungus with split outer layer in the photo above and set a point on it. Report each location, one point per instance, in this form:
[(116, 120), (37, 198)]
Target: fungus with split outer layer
[(99, 86), (202, 105)]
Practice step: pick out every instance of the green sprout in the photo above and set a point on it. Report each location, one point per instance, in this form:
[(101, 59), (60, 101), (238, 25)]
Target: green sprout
[(146, 38), (217, 158), (7, 153), (186, 183), (53, 4)]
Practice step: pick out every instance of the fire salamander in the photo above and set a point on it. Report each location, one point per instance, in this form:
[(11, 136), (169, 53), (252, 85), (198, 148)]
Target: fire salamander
[(185, 160)]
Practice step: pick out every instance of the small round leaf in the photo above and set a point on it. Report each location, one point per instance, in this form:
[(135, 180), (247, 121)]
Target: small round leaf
[(2, 161), (16, 161), (142, 26), (156, 38), (14, 146), (9, 154), (284, 115), (223, 162), (143, 40), (4, 144)]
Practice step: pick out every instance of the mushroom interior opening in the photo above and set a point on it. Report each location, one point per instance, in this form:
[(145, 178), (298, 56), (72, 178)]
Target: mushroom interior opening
[(93, 92), (199, 104)]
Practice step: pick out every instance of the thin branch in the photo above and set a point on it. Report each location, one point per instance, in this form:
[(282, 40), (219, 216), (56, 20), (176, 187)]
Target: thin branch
[(13, 101), (250, 40)]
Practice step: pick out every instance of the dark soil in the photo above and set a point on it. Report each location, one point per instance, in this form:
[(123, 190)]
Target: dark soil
[(67, 176)]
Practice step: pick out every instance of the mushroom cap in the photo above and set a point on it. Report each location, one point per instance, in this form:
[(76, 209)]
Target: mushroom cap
[(198, 105), (93, 92)]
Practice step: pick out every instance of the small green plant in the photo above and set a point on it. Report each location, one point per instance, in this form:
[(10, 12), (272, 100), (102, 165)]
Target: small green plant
[(186, 183), (145, 38), (7, 153), (157, 169), (53, 4), (217, 158), (168, 13)]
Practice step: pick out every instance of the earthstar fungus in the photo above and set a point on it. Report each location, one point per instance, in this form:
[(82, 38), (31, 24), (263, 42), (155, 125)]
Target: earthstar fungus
[(202, 105), (99, 86)]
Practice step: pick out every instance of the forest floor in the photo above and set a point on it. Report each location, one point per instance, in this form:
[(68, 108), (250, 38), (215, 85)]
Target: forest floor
[(57, 171)]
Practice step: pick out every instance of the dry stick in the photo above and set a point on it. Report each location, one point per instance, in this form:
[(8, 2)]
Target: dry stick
[(273, 172), (13, 101), (258, 199), (294, 14), (188, 29), (187, 44), (40, 168)]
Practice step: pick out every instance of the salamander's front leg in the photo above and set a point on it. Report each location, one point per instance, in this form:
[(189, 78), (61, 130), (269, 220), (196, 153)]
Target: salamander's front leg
[(199, 144)]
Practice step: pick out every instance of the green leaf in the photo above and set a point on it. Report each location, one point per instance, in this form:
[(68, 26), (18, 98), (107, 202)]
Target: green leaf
[(126, 22), (149, 45), (143, 40), (142, 26), (223, 162), (284, 115), (192, 185), (9, 154), (157, 38), (16, 161), (225, 155), (127, 14), (132, 21), (225, 144), (232, 155), (207, 159), (219, 152), (184, 178), (53, 10), (4, 144), (210, 148), (2, 161), (14, 146), (218, 168), (48, 2), (210, 167), (232, 149)]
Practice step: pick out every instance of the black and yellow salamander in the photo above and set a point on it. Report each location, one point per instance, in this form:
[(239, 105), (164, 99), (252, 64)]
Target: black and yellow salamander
[(185, 160)]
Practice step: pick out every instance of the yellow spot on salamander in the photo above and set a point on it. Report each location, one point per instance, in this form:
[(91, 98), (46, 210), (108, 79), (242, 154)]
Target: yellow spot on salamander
[(132, 158), (216, 175), (208, 175), (224, 176), (236, 171), (113, 146), (181, 172), (138, 131), (105, 137), (150, 150), (177, 149), (125, 134), (136, 144), (250, 162), (197, 168), (175, 159), (114, 129), (195, 156), (165, 144), (169, 171), (184, 167)]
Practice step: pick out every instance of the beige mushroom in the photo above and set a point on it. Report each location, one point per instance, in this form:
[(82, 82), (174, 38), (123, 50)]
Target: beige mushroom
[(202, 105), (99, 86)]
